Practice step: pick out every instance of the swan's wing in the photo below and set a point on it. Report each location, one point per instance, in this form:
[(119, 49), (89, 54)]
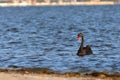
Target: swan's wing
[(88, 49)]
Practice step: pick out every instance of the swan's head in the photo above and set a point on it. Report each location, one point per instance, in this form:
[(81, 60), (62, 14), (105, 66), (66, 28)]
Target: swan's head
[(79, 36)]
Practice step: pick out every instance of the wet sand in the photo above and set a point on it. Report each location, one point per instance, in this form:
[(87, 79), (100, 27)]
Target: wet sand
[(46, 74)]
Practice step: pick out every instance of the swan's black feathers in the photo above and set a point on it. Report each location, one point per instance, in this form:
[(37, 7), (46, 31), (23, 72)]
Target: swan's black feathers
[(88, 49), (83, 50)]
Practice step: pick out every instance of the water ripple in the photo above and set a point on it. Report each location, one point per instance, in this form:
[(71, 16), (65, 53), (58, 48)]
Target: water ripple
[(46, 37)]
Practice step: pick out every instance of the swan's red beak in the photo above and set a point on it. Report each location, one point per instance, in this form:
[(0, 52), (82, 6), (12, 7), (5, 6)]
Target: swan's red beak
[(78, 38)]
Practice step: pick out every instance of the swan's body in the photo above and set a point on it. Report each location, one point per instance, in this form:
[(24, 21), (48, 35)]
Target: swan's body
[(83, 50)]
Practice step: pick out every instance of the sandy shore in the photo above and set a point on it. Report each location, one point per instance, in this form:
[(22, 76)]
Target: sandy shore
[(14, 76), (47, 74), (59, 4)]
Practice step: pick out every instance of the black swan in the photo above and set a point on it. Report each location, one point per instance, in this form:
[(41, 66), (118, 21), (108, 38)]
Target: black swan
[(83, 50)]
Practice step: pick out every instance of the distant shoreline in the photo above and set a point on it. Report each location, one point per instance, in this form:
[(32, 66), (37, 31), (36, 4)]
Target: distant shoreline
[(59, 4)]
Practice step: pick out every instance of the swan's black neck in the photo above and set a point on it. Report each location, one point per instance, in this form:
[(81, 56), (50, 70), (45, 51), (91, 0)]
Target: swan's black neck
[(82, 44)]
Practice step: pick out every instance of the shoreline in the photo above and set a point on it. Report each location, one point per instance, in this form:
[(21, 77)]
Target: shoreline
[(67, 75), (14, 76), (87, 3)]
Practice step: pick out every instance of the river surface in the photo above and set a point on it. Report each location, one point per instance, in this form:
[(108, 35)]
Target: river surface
[(46, 37)]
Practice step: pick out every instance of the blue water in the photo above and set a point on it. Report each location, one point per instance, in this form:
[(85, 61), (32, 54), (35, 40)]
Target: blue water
[(46, 37)]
